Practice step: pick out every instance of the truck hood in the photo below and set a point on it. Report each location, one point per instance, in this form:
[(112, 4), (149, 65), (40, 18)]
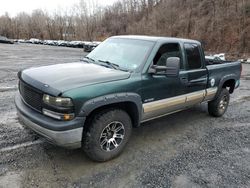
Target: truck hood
[(56, 79)]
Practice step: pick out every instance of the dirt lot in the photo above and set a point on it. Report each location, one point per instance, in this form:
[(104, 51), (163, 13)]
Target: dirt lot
[(187, 149)]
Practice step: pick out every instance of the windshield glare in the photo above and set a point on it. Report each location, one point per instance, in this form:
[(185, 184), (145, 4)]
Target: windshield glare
[(127, 53)]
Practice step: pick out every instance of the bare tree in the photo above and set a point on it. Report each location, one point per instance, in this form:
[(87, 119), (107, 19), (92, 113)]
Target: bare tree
[(221, 24)]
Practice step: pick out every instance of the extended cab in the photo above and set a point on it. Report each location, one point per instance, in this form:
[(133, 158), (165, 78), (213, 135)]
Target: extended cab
[(125, 81)]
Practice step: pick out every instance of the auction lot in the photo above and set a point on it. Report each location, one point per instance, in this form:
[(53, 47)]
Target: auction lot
[(186, 149)]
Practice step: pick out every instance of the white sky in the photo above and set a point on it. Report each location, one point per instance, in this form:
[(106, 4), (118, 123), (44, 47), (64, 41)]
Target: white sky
[(13, 7)]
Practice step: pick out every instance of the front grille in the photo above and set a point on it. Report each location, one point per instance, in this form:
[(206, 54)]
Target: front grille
[(31, 96)]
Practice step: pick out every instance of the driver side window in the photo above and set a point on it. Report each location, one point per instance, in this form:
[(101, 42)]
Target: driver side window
[(166, 51)]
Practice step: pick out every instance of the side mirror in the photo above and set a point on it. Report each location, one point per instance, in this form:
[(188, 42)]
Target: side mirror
[(159, 70), (173, 66)]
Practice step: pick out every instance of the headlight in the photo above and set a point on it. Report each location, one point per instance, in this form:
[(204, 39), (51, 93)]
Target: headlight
[(57, 101)]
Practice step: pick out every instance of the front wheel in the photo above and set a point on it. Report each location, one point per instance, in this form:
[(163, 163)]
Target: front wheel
[(218, 106), (107, 134)]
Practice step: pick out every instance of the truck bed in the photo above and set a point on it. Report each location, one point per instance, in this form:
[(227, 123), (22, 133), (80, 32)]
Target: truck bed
[(224, 69), (216, 62)]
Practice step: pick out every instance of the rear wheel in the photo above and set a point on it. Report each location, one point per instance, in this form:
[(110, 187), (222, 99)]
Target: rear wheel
[(107, 134), (218, 106)]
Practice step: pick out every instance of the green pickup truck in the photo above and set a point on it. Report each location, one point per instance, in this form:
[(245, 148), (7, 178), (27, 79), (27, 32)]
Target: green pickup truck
[(126, 80)]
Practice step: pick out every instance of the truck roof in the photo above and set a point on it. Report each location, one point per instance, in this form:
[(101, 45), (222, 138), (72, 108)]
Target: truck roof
[(156, 39)]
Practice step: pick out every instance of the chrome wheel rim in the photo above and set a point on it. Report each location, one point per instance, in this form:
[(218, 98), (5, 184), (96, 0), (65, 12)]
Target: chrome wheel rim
[(223, 103), (112, 136)]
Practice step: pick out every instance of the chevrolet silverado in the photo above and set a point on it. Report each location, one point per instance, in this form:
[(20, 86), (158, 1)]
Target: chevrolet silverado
[(126, 80)]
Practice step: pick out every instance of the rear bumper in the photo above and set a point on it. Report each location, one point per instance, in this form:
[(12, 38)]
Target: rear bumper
[(67, 134)]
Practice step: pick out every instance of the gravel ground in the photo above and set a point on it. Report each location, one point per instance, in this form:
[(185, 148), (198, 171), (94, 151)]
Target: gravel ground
[(186, 149)]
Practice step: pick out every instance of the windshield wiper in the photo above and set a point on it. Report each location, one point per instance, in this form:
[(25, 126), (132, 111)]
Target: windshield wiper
[(84, 60), (113, 65), (88, 58)]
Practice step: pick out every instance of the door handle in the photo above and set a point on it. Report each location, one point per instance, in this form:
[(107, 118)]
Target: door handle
[(197, 82), (184, 80), (201, 81)]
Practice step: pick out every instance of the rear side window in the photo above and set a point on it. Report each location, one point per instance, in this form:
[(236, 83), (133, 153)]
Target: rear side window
[(193, 56)]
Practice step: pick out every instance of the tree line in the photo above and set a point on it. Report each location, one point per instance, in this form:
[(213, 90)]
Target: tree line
[(221, 25)]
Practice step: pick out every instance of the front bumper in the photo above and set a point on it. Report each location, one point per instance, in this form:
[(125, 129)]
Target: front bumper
[(67, 134)]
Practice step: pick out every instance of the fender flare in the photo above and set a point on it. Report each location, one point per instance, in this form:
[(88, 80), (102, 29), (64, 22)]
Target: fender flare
[(223, 80), (104, 100)]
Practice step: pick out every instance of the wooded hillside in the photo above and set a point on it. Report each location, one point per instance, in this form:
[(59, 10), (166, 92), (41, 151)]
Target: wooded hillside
[(222, 25)]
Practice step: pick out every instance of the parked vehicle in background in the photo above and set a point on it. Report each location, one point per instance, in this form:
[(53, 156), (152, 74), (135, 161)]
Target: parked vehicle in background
[(62, 43), (35, 41), (6, 40), (88, 47), (247, 61), (222, 56), (50, 42), (123, 82), (21, 41), (215, 58), (76, 44)]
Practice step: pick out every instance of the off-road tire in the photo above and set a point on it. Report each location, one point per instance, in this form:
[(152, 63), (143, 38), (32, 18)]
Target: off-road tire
[(217, 107), (91, 136)]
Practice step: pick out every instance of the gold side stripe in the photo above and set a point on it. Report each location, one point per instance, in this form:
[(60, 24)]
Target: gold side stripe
[(179, 102), (210, 93), (195, 96), (157, 105)]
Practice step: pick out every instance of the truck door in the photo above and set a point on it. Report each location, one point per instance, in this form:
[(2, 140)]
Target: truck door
[(162, 94), (195, 74)]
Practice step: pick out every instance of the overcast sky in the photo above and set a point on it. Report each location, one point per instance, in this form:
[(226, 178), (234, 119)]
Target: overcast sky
[(15, 6)]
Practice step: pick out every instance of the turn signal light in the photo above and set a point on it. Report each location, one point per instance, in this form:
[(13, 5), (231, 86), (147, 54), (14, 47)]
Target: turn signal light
[(59, 116)]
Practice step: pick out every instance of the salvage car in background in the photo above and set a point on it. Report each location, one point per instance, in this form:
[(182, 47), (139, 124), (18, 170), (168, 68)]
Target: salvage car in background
[(6, 40), (88, 47), (62, 43), (216, 58), (76, 44), (35, 41)]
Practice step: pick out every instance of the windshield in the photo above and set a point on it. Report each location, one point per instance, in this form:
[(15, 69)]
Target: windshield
[(126, 53)]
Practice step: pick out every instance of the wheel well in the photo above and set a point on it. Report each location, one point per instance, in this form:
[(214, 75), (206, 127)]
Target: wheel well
[(229, 83), (128, 107)]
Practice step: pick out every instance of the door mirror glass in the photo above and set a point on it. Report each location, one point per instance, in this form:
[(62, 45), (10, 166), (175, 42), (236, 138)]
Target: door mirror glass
[(159, 70), (173, 66)]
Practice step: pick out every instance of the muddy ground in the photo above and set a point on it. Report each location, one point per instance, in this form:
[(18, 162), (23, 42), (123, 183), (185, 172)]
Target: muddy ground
[(186, 149)]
